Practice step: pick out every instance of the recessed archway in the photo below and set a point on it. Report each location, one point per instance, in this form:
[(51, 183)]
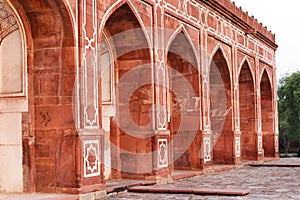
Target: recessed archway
[(267, 115), (48, 81), (247, 113), (130, 127), (184, 103), (221, 110)]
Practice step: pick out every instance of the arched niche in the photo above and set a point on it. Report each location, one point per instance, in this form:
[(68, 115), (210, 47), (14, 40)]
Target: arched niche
[(267, 115), (184, 100), (127, 112), (247, 113), (221, 109)]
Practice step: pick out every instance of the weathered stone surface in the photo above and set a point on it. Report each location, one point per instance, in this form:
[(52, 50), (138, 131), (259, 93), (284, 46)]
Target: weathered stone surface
[(261, 182), (203, 93)]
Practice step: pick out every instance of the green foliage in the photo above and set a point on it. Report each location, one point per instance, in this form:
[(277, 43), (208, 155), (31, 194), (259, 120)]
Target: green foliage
[(289, 106)]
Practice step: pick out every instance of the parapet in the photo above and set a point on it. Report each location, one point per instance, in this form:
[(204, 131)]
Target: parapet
[(240, 17)]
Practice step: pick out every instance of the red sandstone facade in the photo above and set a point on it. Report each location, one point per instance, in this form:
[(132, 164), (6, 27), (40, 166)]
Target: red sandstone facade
[(117, 89)]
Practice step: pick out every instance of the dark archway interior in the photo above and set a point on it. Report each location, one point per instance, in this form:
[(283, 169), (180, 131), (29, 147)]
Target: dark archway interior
[(221, 110), (247, 113)]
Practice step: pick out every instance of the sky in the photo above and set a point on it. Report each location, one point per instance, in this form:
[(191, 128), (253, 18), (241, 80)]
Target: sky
[(283, 19)]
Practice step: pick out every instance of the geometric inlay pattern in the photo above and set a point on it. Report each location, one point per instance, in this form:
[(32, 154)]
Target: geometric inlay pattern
[(91, 158), (90, 64), (8, 23), (259, 144), (207, 149), (237, 147), (162, 153)]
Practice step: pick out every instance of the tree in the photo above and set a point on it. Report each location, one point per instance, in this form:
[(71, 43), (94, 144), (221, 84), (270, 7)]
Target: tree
[(289, 108)]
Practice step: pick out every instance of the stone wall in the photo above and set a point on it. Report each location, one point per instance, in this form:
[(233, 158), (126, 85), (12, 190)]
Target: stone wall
[(193, 84)]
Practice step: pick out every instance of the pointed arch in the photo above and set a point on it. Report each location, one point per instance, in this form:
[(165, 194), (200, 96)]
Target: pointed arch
[(246, 60), (219, 48), (265, 70), (267, 114), (116, 6), (181, 34), (220, 91), (247, 112), (132, 28), (179, 30), (134, 94), (184, 86)]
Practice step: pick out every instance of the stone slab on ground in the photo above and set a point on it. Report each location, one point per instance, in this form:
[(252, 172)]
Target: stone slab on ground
[(266, 183), (197, 191), (273, 165)]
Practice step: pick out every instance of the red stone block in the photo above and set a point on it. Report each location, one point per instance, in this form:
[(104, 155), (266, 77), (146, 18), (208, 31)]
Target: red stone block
[(45, 178), (58, 117), (49, 85), (47, 57), (221, 192), (67, 84), (65, 161)]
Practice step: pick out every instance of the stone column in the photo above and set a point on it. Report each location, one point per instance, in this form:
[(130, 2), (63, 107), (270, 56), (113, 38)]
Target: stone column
[(89, 151), (162, 165), (276, 131), (206, 154), (259, 153), (236, 108)]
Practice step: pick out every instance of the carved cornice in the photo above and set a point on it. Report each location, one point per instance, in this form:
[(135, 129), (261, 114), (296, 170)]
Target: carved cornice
[(237, 16)]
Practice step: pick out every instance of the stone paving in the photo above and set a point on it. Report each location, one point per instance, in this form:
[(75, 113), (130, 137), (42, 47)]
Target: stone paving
[(37, 196), (263, 182)]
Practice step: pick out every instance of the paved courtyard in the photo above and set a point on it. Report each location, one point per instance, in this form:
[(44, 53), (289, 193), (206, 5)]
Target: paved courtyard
[(263, 183), (276, 183)]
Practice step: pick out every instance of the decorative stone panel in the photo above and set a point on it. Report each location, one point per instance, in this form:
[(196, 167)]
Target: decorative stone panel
[(207, 148), (259, 144), (91, 158), (8, 22), (162, 153), (237, 146)]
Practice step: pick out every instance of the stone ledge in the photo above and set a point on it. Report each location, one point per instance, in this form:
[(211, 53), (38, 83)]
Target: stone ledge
[(119, 187), (204, 191), (273, 165)]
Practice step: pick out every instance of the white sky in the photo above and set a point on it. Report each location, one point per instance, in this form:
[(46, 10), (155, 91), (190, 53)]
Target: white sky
[(283, 19)]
